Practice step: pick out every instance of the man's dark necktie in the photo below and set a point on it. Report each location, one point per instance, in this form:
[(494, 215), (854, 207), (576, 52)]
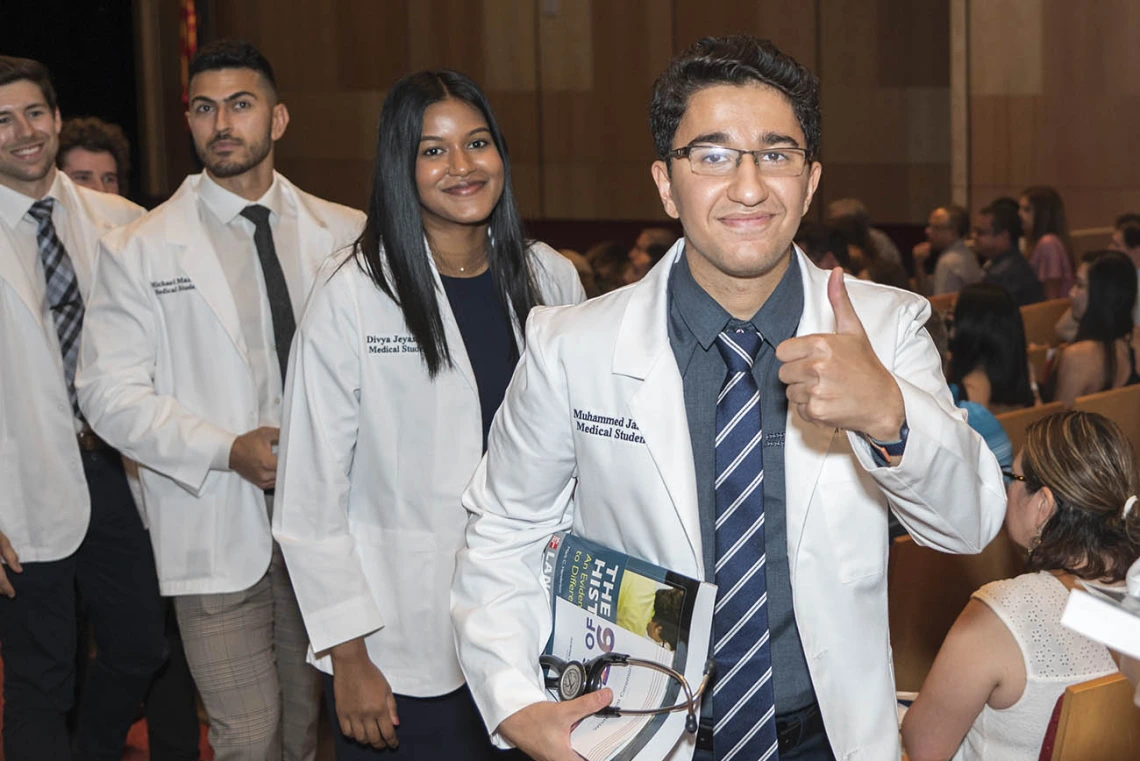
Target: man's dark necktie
[(743, 697), (62, 292), (280, 305)]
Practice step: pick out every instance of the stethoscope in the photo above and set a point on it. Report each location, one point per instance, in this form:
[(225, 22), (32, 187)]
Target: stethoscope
[(573, 679)]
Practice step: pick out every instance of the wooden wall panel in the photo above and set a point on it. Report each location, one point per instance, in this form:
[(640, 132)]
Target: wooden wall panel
[(596, 147), (371, 43), (885, 92), (790, 24), (571, 81), (1006, 52), (1055, 100)]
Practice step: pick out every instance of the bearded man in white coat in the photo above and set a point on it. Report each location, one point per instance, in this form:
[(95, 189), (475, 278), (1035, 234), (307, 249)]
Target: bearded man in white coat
[(188, 339), (782, 413), (69, 524)]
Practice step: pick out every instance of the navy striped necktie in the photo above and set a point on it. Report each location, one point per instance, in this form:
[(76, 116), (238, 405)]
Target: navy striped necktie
[(743, 697), (63, 294)]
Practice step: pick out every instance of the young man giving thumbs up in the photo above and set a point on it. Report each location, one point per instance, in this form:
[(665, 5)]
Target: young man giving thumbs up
[(782, 413)]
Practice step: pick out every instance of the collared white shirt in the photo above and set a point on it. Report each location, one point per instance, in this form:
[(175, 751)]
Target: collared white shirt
[(14, 207), (232, 235)]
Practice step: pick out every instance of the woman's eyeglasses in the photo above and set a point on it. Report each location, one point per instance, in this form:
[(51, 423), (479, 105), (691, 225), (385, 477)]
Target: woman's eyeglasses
[(1014, 476)]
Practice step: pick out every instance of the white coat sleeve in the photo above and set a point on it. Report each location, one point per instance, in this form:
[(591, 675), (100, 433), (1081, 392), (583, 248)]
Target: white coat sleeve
[(319, 426), (519, 496), (947, 488), (115, 379)]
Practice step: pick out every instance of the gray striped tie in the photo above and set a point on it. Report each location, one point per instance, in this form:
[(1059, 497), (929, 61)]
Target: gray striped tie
[(62, 292)]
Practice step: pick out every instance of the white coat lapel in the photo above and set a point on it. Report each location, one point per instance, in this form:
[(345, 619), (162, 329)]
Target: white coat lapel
[(805, 444), (642, 351), (86, 227), (196, 256), (315, 241)]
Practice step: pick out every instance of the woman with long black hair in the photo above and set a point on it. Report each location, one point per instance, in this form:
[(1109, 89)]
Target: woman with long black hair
[(403, 355), (1101, 356), (989, 362)]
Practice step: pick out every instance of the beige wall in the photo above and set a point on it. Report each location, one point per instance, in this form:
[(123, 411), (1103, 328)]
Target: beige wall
[(570, 81), (1054, 99)]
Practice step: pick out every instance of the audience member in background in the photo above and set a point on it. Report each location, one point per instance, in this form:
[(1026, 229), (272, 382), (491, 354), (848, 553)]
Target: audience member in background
[(988, 360), (955, 265), (609, 260), (979, 418), (1122, 223), (866, 259), (1007, 658), (182, 365), (70, 533), (1125, 239), (585, 271), (377, 446), (650, 241), (996, 231), (844, 209), (1101, 355), (1047, 245), (644, 260), (823, 245), (95, 154)]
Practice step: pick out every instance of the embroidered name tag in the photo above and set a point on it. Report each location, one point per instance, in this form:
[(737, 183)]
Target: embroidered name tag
[(391, 344), (607, 427), (177, 285)]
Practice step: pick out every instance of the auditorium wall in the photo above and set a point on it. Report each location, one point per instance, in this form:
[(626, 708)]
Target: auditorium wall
[(570, 81), (1054, 99)]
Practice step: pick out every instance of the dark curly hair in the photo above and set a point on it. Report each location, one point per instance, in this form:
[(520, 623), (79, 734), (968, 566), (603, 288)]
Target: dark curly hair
[(97, 136), (735, 60)]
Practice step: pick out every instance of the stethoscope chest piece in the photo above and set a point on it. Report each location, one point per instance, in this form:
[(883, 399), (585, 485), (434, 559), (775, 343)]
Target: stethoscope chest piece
[(572, 681)]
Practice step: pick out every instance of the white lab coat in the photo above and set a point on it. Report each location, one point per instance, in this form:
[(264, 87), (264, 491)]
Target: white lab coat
[(44, 503), (612, 357), (374, 457), (165, 377)]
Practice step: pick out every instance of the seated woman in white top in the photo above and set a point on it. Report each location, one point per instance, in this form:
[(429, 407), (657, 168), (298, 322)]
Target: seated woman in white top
[(1007, 658)]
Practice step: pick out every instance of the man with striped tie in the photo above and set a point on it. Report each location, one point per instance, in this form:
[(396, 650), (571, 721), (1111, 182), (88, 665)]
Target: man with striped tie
[(70, 531), (782, 413)]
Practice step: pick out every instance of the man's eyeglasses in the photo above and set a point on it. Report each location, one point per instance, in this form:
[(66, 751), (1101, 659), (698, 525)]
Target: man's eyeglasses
[(720, 161)]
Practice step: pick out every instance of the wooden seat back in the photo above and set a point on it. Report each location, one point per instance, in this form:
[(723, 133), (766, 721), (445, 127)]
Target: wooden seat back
[(1098, 722), (927, 589), (1041, 321), (1121, 405), (1017, 421)]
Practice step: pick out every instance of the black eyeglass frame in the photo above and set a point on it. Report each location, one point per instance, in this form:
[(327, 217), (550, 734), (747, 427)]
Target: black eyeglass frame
[(684, 150), (1014, 476)]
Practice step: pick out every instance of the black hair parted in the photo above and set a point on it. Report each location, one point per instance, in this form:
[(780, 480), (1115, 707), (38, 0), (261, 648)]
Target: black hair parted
[(733, 60), (1004, 219), (14, 69), (1111, 297), (989, 334), (232, 54), (391, 249)]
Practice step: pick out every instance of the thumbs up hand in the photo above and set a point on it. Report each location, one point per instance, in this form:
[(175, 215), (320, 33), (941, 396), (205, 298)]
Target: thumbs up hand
[(836, 380)]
